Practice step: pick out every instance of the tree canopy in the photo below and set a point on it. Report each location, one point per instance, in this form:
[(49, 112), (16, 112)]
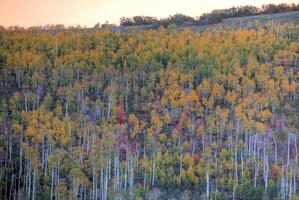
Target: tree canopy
[(149, 115)]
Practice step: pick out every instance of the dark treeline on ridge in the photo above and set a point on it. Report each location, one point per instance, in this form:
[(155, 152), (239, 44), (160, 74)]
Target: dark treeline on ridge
[(216, 16)]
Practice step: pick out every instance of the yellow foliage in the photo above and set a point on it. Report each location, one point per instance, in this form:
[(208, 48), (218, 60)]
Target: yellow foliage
[(30, 132), (231, 97), (162, 137), (192, 97), (17, 127), (260, 127), (238, 71), (239, 112), (279, 72), (224, 114), (265, 115), (167, 118), (250, 113), (155, 119), (294, 47), (188, 160), (292, 87), (38, 137)]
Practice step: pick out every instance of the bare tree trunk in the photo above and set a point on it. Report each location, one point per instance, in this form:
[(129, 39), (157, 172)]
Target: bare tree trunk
[(290, 183), (102, 183), (116, 170), (207, 184), (242, 166), (52, 183), (154, 167), (236, 161), (20, 167), (288, 155), (144, 161), (34, 182), (275, 149), (125, 186), (94, 180), (18, 77), (106, 183), (26, 106), (127, 89), (181, 158), (192, 139), (265, 164), (29, 184), (282, 184), (58, 180), (296, 164), (109, 105), (256, 169)]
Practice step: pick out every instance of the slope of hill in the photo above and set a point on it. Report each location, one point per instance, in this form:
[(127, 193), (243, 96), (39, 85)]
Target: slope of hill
[(255, 21), (230, 23), (150, 115)]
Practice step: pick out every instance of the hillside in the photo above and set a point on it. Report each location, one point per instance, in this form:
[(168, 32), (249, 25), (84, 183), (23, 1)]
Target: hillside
[(228, 24), (159, 114), (255, 21)]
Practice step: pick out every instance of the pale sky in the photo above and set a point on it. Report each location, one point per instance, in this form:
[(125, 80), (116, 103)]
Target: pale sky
[(88, 12)]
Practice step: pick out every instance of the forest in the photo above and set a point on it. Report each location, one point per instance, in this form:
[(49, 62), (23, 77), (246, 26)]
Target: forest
[(158, 114)]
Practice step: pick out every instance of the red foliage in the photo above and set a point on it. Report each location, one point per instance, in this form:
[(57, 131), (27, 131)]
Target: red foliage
[(198, 93), (133, 148), (199, 123), (245, 95), (196, 157), (268, 132), (184, 120), (204, 93), (178, 127), (273, 118), (120, 114), (293, 153), (274, 172), (278, 125), (122, 142)]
